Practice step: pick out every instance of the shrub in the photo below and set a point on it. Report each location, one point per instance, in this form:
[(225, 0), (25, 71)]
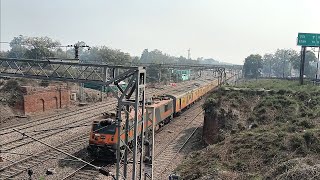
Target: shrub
[(11, 85), (297, 143), (44, 83), (307, 124)]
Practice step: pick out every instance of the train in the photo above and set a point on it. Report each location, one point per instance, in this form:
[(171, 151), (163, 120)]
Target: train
[(159, 109)]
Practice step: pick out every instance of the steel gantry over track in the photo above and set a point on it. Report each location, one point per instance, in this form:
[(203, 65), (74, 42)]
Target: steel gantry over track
[(132, 97), (218, 70)]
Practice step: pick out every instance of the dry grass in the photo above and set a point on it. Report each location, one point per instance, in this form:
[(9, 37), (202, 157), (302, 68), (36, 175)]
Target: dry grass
[(284, 143)]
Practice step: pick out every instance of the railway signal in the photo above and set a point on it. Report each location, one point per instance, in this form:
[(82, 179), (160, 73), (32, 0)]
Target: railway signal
[(76, 47)]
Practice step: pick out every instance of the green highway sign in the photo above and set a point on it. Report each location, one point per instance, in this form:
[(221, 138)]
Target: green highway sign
[(309, 39)]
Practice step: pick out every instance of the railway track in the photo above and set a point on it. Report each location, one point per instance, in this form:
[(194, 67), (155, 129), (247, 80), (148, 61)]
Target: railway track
[(84, 120), (165, 155), (16, 168), (52, 118), (87, 117), (85, 172)]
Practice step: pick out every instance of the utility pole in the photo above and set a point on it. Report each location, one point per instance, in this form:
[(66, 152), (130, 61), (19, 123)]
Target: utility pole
[(303, 58), (270, 68), (284, 63), (318, 64), (76, 56)]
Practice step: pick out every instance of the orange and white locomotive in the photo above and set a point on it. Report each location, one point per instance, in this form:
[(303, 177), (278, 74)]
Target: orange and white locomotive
[(103, 136)]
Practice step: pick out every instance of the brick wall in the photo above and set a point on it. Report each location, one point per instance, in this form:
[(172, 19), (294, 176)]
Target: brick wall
[(43, 99)]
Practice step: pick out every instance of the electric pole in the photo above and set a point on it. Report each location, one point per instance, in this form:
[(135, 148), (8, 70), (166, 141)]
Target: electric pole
[(76, 56)]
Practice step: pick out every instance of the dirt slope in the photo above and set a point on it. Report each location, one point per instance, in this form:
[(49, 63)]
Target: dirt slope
[(263, 134)]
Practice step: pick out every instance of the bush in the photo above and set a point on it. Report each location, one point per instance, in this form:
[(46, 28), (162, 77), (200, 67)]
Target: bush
[(12, 91), (11, 85), (297, 143), (44, 83), (306, 123)]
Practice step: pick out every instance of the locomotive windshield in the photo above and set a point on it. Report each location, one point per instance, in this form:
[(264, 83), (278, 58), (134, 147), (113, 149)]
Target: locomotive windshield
[(110, 129)]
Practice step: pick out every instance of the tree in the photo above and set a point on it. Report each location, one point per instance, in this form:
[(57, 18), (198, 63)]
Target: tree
[(252, 66), (144, 56), (106, 55), (18, 50), (135, 60), (32, 47), (309, 69), (268, 60), (3, 53), (281, 62)]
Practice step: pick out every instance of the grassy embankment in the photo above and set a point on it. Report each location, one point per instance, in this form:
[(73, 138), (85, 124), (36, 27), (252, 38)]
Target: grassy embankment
[(264, 134)]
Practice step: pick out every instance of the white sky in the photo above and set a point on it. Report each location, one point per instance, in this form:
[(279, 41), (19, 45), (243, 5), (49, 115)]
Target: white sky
[(228, 30)]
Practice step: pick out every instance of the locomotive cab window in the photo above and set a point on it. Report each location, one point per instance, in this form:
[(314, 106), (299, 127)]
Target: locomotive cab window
[(97, 128)]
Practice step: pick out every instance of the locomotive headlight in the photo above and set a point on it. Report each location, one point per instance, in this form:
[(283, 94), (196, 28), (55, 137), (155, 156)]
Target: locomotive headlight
[(96, 136)]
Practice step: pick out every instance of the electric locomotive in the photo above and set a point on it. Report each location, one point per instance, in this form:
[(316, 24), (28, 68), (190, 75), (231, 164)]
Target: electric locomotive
[(160, 110)]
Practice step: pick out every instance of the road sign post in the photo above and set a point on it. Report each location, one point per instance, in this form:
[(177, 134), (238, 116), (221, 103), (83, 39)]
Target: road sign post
[(306, 40), (309, 39)]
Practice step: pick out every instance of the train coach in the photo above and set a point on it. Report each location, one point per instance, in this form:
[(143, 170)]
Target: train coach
[(161, 109)]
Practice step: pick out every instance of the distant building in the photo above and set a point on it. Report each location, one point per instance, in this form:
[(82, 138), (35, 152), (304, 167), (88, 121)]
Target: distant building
[(184, 75)]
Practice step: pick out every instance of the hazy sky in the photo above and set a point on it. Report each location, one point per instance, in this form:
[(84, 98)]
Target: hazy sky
[(228, 30)]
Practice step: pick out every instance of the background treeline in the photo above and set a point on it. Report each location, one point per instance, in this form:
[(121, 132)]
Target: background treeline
[(47, 48), (282, 63)]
